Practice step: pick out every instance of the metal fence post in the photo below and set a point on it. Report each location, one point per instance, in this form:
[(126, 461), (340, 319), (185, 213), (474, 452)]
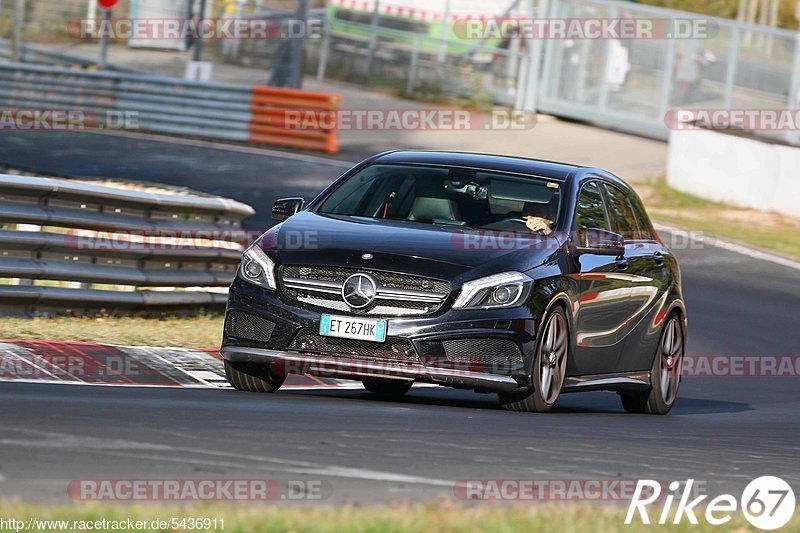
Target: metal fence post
[(412, 68), (730, 75), (198, 44), (522, 78), (666, 81), (535, 49), (602, 101), (552, 63), (297, 50), (324, 51), (373, 38), (583, 71), (793, 101), (445, 34)]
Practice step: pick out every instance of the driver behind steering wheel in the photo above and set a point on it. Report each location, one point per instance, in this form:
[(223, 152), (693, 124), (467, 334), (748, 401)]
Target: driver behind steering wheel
[(540, 217)]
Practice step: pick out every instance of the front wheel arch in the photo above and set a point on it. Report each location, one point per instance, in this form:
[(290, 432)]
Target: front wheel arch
[(560, 299)]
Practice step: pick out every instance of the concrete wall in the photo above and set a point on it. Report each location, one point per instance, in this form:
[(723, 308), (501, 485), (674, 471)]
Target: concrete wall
[(738, 171)]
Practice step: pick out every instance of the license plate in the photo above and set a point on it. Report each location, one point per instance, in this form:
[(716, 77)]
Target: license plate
[(353, 328)]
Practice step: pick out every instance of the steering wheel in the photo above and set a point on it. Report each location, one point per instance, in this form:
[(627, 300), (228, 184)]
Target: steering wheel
[(503, 224)]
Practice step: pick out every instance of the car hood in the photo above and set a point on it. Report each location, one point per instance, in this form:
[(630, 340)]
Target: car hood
[(432, 250)]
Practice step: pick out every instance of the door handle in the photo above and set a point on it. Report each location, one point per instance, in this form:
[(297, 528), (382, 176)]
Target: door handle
[(658, 258), (622, 263)]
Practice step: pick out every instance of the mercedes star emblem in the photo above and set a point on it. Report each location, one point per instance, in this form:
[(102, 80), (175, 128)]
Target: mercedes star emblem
[(359, 290)]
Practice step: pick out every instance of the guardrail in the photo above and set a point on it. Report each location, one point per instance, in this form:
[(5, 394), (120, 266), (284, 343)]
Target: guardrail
[(36, 54), (82, 248), (169, 105)]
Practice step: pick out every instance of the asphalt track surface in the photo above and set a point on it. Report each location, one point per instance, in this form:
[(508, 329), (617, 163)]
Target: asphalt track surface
[(723, 431)]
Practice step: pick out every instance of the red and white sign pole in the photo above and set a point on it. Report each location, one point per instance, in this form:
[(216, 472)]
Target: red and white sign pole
[(106, 5)]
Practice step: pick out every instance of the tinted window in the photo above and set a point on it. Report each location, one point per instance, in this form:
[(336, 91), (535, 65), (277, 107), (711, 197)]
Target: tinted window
[(591, 212), (441, 195), (645, 231), (622, 219)]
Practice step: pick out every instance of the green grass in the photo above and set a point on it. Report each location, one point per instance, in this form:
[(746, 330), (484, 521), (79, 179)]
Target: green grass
[(431, 518), (768, 231), (190, 332)]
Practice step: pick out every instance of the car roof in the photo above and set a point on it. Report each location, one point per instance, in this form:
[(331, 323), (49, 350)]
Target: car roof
[(502, 163)]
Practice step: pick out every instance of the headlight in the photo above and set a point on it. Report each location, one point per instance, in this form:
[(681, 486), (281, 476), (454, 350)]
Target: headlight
[(257, 268), (499, 290)]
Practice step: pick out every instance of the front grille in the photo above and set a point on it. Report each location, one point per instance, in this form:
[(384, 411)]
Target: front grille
[(428, 294), (245, 326), (393, 349), (389, 279), (504, 352)]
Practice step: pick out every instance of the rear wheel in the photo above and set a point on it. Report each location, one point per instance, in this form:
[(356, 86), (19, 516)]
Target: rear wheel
[(665, 375), (252, 378), (387, 388), (549, 368)]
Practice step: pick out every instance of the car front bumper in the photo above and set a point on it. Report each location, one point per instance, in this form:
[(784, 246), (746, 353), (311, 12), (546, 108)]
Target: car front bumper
[(282, 363), (433, 341)]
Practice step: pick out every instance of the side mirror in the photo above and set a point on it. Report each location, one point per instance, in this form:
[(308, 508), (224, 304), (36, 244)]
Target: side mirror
[(599, 242), (286, 207)]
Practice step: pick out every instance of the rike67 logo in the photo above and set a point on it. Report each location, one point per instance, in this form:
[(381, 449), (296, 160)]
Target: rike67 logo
[(767, 502)]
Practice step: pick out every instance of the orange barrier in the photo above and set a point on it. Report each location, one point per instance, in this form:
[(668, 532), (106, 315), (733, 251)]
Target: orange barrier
[(295, 118)]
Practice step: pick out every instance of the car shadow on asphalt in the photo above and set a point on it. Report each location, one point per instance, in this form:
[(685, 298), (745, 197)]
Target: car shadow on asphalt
[(591, 402)]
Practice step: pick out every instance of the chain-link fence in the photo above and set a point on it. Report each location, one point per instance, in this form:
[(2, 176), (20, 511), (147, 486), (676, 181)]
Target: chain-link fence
[(416, 48), (733, 66)]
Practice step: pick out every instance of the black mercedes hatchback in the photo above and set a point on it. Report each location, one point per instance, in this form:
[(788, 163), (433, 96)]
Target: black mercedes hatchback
[(513, 276)]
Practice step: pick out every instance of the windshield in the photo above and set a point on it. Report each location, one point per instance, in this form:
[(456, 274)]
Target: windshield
[(451, 196)]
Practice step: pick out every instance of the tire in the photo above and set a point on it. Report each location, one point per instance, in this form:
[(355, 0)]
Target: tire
[(665, 376), (387, 388), (252, 378), (549, 368)]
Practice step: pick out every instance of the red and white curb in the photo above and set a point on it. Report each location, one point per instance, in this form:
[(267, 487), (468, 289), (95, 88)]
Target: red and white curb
[(85, 363)]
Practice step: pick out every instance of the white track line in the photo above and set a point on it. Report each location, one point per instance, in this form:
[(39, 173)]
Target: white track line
[(737, 248), (204, 457), (21, 354)]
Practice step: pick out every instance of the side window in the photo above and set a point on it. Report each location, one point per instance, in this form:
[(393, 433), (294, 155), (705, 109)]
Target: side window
[(622, 219), (645, 232), (591, 212)]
